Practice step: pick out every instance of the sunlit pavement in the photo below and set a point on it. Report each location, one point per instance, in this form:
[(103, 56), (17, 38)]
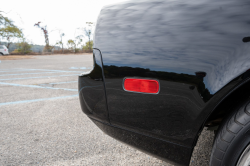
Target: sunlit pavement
[(41, 122)]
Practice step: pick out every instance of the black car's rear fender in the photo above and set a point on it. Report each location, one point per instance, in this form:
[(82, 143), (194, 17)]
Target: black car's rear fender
[(92, 90), (198, 50)]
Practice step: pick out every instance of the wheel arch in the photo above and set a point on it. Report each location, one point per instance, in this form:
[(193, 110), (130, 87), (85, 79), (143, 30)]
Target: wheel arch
[(235, 97), (225, 107)]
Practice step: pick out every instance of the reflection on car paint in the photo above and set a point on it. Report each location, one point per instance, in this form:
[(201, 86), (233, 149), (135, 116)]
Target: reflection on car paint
[(198, 50)]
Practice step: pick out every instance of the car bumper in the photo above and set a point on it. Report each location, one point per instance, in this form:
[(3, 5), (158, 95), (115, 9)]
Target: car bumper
[(178, 155)]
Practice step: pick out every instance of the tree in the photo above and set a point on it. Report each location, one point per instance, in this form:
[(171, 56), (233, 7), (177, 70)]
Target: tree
[(23, 47), (61, 42), (71, 44), (74, 44), (88, 45), (10, 33), (4, 21), (78, 41), (88, 32), (46, 36)]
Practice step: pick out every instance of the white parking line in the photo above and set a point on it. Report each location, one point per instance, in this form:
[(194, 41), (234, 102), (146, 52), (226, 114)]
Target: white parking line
[(36, 86), (16, 69), (38, 77), (36, 100), (33, 73)]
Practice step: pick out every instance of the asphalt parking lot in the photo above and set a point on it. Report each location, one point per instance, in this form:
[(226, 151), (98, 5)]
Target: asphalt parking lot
[(41, 122)]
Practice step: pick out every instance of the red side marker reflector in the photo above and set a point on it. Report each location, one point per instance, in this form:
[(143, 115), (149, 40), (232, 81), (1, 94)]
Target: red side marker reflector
[(141, 85)]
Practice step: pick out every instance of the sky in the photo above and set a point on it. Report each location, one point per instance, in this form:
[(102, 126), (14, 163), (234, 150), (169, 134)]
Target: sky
[(59, 16)]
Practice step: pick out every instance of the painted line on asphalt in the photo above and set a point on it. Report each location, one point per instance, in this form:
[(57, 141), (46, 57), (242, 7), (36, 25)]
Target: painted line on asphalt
[(38, 77), (21, 69), (82, 68), (5, 71), (28, 73), (9, 69), (37, 100), (14, 70), (50, 70), (36, 86), (62, 82), (44, 99)]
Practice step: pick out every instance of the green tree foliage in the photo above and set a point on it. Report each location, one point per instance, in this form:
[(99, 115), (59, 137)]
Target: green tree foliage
[(23, 47), (74, 44), (88, 32), (5, 21), (71, 44), (78, 41), (88, 46), (10, 33), (60, 43), (48, 48)]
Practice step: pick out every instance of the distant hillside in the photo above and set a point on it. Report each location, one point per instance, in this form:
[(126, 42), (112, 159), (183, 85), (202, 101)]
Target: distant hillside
[(34, 48)]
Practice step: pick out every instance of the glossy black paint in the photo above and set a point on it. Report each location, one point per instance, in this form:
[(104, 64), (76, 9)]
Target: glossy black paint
[(163, 115), (198, 50), (152, 146), (91, 91)]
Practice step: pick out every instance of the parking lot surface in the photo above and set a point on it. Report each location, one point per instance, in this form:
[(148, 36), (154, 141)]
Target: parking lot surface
[(41, 122)]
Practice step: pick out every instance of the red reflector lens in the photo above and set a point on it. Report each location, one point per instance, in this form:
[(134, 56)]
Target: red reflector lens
[(141, 85)]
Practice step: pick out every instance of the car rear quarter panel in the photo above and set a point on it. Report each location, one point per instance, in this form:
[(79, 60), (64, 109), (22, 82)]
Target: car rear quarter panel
[(196, 49)]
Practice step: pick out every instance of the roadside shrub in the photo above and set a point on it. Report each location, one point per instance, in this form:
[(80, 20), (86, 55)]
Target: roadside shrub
[(88, 46), (64, 51), (67, 51), (48, 49), (23, 47), (15, 51)]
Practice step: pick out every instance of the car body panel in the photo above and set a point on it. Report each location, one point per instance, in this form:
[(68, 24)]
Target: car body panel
[(172, 153), (4, 50), (198, 50), (91, 91)]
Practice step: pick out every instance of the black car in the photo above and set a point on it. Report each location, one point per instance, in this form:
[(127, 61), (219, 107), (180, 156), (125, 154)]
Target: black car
[(165, 69)]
